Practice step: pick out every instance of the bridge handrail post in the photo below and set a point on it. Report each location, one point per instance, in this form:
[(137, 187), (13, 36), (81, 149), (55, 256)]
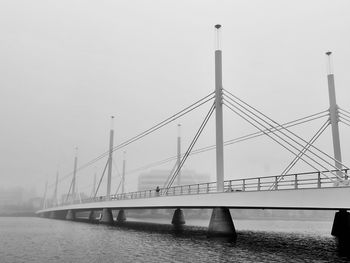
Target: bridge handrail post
[(258, 184), (197, 188), (318, 180), (207, 187), (181, 190), (295, 181), (276, 182), (230, 186), (346, 174), (189, 189), (243, 185)]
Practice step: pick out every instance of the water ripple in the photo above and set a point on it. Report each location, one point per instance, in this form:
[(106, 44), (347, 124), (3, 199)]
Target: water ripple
[(43, 240)]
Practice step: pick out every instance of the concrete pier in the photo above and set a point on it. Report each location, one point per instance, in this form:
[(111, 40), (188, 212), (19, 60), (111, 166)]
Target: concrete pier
[(58, 214), (178, 217), (341, 224), (92, 217), (341, 230), (45, 215), (107, 216), (70, 215), (221, 224), (121, 218), (52, 215)]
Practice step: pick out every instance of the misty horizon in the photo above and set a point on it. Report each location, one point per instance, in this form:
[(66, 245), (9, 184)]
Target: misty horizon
[(66, 70)]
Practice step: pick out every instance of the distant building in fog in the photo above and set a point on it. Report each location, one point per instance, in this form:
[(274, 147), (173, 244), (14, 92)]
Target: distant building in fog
[(154, 178), (11, 197), (15, 196)]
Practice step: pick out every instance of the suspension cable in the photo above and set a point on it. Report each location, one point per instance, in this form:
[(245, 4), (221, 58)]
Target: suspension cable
[(184, 158), (116, 167), (295, 141), (70, 187), (347, 124), (271, 136), (343, 120), (345, 111), (230, 142), (342, 115), (120, 183), (301, 153), (306, 147), (294, 134), (170, 174), (168, 120), (160, 125), (99, 183)]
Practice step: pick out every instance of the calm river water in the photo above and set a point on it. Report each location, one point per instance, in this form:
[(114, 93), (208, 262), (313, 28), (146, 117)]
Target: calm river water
[(46, 240)]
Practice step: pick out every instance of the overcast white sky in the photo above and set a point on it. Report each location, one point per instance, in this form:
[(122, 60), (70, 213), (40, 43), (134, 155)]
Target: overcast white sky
[(66, 66)]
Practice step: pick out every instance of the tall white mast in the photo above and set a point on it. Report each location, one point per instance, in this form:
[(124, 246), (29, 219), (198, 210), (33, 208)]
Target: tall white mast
[(123, 175), (178, 161), (110, 160), (334, 114), (74, 175), (218, 114)]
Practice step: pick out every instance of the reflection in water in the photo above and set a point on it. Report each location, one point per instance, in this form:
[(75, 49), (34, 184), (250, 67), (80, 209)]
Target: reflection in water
[(44, 240)]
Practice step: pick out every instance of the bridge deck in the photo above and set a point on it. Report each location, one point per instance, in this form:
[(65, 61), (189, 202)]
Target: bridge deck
[(295, 191), (334, 198)]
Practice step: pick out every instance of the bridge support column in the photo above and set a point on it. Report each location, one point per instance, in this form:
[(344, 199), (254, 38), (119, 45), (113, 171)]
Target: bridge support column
[(221, 224), (58, 214), (107, 216), (70, 215), (178, 218), (341, 230), (121, 218), (92, 216), (45, 215), (52, 215), (341, 224)]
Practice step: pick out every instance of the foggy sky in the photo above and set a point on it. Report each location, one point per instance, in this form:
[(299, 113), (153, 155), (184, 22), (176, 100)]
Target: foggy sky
[(67, 66)]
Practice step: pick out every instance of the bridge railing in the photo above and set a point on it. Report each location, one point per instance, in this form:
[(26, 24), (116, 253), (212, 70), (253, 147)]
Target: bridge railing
[(268, 183), (290, 181)]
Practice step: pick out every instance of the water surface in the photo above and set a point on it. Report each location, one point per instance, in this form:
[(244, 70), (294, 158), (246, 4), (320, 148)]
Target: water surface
[(47, 240)]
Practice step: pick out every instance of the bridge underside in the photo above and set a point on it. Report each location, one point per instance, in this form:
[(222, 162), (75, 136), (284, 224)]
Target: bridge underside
[(221, 224), (335, 198)]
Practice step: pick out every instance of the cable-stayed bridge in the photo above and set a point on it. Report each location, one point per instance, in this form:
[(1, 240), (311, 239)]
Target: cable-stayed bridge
[(326, 187)]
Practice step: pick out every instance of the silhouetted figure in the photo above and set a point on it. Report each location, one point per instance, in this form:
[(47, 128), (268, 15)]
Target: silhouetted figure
[(157, 191)]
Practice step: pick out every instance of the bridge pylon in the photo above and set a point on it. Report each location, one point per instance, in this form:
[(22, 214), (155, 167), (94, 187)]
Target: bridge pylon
[(221, 224), (110, 160), (334, 115), (123, 174), (55, 197), (74, 175), (218, 114), (178, 159), (44, 206)]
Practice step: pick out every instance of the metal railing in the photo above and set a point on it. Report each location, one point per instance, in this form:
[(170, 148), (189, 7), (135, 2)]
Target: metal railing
[(269, 183)]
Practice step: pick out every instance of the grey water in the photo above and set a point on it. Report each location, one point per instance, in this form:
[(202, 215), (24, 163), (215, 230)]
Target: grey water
[(31, 239)]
